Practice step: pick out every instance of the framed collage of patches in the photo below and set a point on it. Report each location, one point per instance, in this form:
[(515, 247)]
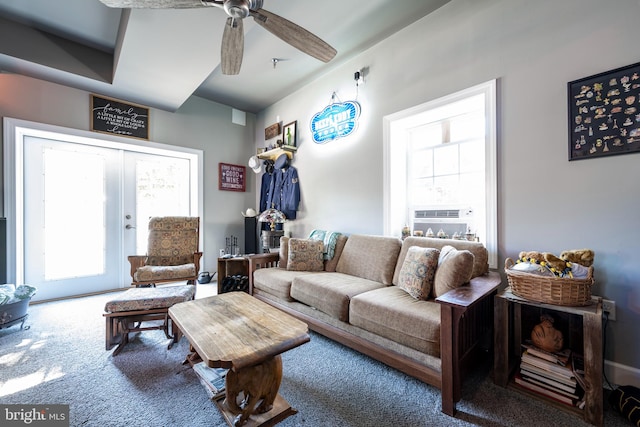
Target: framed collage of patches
[(604, 114)]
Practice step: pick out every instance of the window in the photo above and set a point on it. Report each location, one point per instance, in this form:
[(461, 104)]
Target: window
[(440, 167)]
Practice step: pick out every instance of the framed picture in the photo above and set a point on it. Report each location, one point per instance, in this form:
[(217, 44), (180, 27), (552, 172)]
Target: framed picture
[(117, 117), (231, 177), (272, 131), (604, 114), (289, 134)]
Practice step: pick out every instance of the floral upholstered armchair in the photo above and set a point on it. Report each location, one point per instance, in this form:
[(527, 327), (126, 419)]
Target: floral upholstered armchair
[(172, 252)]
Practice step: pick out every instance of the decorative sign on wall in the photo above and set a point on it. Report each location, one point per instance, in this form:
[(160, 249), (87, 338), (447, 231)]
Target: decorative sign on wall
[(231, 177), (604, 114), (271, 131), (335, 121), (116, 117)]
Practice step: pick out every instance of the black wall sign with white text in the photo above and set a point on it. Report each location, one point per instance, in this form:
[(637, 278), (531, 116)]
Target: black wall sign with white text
[(119, 118)]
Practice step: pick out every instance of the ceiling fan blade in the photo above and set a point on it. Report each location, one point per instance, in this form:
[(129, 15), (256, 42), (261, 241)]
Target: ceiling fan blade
[(232, 48), (294, 34), (161, 4)]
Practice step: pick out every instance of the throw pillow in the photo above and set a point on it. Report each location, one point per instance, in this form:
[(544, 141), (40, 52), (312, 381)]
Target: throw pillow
[(454, 269), (305, 255), (418, 271)]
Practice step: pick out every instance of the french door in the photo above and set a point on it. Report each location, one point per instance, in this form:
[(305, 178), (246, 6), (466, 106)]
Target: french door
[(85, 207)]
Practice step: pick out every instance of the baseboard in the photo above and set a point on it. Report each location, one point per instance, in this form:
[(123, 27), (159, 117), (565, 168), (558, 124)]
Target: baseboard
[(619, 374)]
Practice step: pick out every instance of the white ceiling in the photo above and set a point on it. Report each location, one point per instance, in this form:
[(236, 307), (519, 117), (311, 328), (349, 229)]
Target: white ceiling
[(160, 57)]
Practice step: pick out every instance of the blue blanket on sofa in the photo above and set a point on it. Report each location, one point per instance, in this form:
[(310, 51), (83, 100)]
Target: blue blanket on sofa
[(329, 239)]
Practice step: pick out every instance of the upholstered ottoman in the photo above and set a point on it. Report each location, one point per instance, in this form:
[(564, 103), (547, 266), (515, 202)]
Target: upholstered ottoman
[(126, 312)]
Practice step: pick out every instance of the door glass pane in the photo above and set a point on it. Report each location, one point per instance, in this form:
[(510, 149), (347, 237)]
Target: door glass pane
[(74, 214), (162, 189)]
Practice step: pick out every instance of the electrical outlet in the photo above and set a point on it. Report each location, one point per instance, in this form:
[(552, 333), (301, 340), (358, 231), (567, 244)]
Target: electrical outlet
[(610, 307)]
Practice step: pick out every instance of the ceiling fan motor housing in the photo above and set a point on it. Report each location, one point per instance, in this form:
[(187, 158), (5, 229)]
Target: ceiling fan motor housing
[(239, 9)]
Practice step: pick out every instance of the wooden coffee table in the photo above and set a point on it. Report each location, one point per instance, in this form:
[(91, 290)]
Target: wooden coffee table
[(239, 332)]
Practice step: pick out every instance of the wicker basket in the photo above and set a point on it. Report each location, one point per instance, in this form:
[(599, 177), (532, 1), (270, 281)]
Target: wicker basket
[(550, 290)]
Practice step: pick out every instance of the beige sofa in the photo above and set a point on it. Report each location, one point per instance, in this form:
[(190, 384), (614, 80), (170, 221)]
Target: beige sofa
[(356, 301)]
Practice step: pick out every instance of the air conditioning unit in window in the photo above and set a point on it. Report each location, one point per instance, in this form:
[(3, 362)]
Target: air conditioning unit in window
[(453, 221)]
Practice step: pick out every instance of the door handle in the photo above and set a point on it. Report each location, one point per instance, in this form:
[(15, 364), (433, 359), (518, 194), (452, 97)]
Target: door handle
[(129, 226)]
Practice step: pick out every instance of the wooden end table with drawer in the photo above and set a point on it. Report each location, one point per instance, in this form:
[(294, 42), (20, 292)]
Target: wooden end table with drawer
[(239, 332)]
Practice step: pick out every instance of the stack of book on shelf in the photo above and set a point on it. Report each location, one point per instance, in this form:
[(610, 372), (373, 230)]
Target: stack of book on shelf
[(212, 378), (551, 375)]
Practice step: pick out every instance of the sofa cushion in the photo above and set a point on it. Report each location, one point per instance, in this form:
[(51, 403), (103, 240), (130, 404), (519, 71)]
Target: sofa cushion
[(305, 255), (370, 257), (480, 254), (136, 299), (454, 269), (276, 281), (418, 271), (394, 314), (150, 273), (330, 292)]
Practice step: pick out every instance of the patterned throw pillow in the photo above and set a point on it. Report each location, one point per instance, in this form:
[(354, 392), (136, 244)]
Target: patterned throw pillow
[(455, 268), (418, 271), (305, 255)]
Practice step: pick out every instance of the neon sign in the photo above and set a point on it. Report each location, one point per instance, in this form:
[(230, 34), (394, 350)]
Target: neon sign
[(335, 121)]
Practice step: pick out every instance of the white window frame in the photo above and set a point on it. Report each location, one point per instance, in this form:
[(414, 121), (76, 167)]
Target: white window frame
[(395, 153)]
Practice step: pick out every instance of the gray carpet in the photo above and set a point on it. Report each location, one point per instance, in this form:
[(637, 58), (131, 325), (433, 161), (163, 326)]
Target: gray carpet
[(61, 359)]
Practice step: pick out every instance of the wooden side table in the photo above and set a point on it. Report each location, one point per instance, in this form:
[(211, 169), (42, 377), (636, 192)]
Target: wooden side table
[(583, 326), (238, 265)]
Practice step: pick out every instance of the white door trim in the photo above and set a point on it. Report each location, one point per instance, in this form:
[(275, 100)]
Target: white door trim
[(14, 132)]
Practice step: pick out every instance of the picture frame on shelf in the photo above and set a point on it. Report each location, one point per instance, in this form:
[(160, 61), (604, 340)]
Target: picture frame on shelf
[(604, 113), (272, 131), (260, 150), (289, 134)]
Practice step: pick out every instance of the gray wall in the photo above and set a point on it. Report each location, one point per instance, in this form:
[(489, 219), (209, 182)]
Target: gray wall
[(197, 124), (546, 203)]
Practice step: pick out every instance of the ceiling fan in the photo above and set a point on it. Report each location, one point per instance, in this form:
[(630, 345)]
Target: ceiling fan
[(233, 36)]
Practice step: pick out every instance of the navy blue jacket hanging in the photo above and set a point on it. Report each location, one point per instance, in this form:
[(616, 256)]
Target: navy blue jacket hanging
[(284, 191), (264, 191)]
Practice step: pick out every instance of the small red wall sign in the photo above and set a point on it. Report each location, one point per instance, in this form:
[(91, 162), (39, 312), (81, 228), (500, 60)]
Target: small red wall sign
[(231, 177)]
